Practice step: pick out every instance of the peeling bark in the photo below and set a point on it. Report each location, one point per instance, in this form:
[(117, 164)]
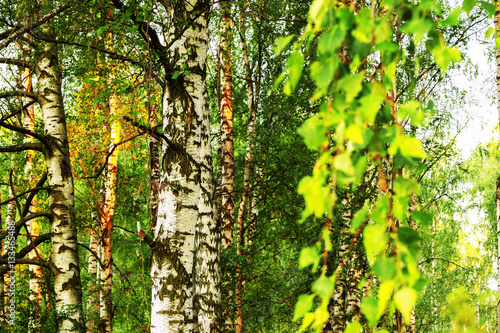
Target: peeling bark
[(64, 250), (186, 222)]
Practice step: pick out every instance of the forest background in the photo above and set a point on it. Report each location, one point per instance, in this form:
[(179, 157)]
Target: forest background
[(256, 166)]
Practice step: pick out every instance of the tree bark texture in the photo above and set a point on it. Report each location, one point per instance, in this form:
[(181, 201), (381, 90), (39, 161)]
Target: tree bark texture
[(36, 274), (64, 250), (93, 298), (108, 209), (227, 195), (185, 259)]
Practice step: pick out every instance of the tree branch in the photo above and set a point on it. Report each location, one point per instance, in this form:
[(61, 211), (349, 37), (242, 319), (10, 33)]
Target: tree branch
[(41, 138), (38, 262), (25, 219), (24, 107), (16, 33), (38, 187), (22, 194), (21, 93), (30, 247), (10, 61), (22, 147), (93, 253)]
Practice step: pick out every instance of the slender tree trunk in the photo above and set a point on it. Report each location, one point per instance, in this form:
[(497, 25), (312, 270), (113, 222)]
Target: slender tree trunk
[(154, 168), (11, 218), (106, 300), (93, 300), (36, 274), (227, 212), (185, 208), (64, 250), (245, 197)]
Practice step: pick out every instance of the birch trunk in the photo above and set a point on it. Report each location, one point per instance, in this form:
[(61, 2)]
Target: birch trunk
[(92, 302), (185, 207), (154, 168), (227, 195), (64, 249), (10, 220)]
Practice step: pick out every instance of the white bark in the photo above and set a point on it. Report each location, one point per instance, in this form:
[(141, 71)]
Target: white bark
[(64, 250), (185, 208)]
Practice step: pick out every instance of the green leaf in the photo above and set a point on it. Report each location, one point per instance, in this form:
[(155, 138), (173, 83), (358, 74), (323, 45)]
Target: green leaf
[(412, 110), (375, 239), (405, 299), (330, 41), (353, 327), (309, 256), (489, 32), (175, 75), (361, 135), (445, 55), (281, 43), (424, 218), (316, 197), (313, 132), (385, 269), (410, 239), (303, 306), (488, 7), (370, 104), (369, 308), (418, 26), (379, 214), (319, 13), (468, 5), (343, 163), (408, 147), (295, 64), (324, 287), (351, 85), (384, 295), (453, 17), (359, 218)]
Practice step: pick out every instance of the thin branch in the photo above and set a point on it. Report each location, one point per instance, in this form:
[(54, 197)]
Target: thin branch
[(22, 130), (17, 33), (22, 147), (37, 262), (10, 61), (22, 194), (38, 187), (30, 247), (21, 93), (24, 107), (93, 253), (428, 260), (25, 219), (151, 131)]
